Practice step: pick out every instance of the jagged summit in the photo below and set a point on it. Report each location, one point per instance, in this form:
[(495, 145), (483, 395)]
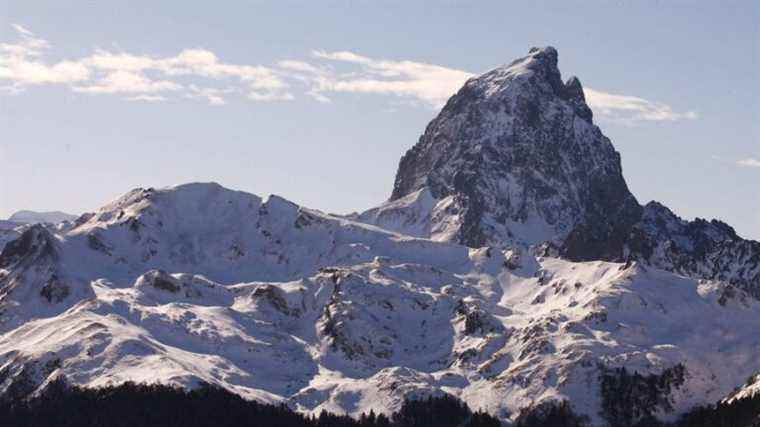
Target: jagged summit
[(514, 159), (539, 67)]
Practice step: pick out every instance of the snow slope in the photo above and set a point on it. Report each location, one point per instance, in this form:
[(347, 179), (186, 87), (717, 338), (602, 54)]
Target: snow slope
[(514, 159), (286, 304), (511, 267)]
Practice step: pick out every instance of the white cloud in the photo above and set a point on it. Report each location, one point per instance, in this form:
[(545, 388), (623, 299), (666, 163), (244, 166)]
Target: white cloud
[(270, 96), (187, 74), (212, 95), (749, 162), (630, 109), (128, 82), (20, 65), (26, 72), (147, 98), (299, 66), (103, 72), (434, 84), (194, 63), (205, 63), (104, 60), (431, 84), (29, 45), (21, 30), (319, 97)]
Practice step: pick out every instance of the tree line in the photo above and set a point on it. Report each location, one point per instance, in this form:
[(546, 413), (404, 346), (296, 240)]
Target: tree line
[(132, 404)]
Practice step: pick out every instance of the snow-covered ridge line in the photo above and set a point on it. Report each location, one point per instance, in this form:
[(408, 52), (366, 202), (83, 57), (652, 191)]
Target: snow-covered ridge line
[(510, 268), (285, 304), (514, 159)]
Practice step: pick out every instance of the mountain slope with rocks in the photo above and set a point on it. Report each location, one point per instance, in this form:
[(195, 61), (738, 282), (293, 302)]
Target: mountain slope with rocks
[(287, 304), (511, 268), (514, 159)]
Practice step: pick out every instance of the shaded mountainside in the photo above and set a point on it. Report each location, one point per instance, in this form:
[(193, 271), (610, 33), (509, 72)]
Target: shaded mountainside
[(9, 230), (515, 159), (699, 248)]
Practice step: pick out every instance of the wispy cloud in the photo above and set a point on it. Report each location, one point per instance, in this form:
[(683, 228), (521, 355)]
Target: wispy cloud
[(121, 81), (749, 162), (428, 83), (211, 95), (432, 85), (199, 73), (20, 63), (127, 73), (626, 108), (139, 77), (147, 98)]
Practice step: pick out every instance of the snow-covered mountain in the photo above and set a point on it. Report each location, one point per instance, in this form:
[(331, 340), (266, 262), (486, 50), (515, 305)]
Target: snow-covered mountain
[(9, 230), (32, 217), (511, 268), (514, 159)]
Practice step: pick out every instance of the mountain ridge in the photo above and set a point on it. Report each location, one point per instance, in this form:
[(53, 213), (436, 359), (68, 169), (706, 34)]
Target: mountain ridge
[(445, 289), (494, 328), (514, 158)]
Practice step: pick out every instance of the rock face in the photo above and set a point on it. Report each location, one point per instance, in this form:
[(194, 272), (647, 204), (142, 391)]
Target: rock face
[(514, 159), (517, 160), (34, 246), (704, 249)]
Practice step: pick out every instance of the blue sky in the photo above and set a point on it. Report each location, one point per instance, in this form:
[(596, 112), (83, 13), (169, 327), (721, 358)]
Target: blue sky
[(317, 101)]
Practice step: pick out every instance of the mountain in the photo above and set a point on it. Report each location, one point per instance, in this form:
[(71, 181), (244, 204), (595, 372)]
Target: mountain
[(31, 217), (281, 303), (9, 230), (511, 268), (514, 159)]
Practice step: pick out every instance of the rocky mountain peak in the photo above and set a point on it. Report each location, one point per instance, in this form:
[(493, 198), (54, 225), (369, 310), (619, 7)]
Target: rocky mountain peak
[(516, 160), (35, 243), (575, 96), (548, 52)]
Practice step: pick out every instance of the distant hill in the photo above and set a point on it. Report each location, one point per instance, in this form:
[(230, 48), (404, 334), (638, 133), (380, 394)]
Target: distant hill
[(32, 217)]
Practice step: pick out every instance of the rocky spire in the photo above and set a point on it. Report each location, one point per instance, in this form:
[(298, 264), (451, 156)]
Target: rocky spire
[(514, 159), (574, 95), (517, 157)]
